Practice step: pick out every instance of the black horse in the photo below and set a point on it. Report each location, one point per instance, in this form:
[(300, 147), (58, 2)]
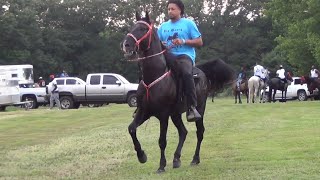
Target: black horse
[(277, 84), (158, 92)]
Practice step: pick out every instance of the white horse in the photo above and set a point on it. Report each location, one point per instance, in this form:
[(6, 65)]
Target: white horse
[(255, 85)]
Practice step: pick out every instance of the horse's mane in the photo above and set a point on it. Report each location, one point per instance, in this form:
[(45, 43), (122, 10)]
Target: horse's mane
[(217, 71)]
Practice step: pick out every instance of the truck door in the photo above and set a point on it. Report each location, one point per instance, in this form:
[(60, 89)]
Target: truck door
[(78, 89), (291, 89), (113, 89), (94, 89)]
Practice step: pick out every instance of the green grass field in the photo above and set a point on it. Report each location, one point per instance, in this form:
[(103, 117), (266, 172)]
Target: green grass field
[(248, 141)]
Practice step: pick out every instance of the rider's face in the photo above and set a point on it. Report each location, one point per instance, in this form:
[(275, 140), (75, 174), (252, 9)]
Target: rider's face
[(173, 11)]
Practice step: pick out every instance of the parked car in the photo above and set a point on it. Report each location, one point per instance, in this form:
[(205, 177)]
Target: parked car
[(99, 88), (295, 91)]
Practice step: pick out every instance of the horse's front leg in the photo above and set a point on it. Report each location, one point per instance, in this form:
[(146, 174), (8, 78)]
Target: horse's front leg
[(177, 121), (239, 96), (163, 142), (139, 118), (285, 95), (235, 96)]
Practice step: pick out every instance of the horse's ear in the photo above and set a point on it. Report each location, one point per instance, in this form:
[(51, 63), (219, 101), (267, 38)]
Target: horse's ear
[(147, 17), (138, 17)]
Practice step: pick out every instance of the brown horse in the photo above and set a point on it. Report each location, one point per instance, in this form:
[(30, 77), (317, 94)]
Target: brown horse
[(243, 88), (312, 83)]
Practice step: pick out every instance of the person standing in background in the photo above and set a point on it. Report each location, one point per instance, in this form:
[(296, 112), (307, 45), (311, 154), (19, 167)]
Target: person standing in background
[(54, 93)]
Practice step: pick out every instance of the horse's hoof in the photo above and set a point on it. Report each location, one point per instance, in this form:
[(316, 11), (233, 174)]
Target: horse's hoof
[(160, 170), (176, 163), (195, 162), (143, 157)]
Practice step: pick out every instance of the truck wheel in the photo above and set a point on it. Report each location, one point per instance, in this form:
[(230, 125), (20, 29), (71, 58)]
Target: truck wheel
[(66, 102), (132, 100), (302, 96), (32, 104)]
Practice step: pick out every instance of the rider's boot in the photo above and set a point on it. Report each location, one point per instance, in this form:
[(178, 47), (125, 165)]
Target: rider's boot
[(190, 91)]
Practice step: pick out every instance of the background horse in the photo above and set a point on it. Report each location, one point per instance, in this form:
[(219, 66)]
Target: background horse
[(277, 84), (243, 88), (312, 83), (255, 84), (158, 92)]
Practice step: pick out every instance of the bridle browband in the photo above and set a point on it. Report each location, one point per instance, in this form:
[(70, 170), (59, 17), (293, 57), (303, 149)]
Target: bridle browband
[(138, 41)]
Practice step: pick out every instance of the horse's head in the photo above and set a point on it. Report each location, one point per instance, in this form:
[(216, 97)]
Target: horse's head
[(139, 38), (289, 76)]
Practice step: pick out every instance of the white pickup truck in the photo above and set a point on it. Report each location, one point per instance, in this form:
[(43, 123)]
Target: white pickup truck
[(295, 91), (99, 88)]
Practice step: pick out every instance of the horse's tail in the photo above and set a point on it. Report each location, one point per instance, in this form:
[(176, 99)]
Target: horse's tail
[(218, 73)]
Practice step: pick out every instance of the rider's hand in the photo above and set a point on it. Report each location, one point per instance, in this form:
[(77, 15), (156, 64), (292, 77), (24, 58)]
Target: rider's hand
[(177, 41)]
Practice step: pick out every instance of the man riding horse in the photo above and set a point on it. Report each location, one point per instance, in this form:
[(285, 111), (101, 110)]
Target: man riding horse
[(281, 74), (259, 71), (314, 73), (242, 77), (279, 83), (182, 36)]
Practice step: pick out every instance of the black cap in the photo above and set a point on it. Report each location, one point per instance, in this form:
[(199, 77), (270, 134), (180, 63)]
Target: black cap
[(179, 3)]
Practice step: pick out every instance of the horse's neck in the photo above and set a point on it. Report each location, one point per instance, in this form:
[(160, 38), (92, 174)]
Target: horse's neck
[(153, 67)]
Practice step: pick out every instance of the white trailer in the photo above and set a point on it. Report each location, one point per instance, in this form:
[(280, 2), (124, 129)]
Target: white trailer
[(11, 77)]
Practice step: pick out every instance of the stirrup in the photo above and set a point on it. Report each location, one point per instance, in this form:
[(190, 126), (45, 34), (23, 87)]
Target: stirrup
[(193, 115)]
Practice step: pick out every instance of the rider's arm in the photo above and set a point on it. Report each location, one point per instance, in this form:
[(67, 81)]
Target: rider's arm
[(197, 42), (194, 42)]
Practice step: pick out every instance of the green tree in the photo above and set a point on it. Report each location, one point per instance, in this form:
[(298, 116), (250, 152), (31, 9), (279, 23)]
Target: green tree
[(297, 23)]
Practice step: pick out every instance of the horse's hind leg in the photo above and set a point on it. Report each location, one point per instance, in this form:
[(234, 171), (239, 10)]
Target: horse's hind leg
[(137, 121), (200, 132), (177, 121), (247, 96)]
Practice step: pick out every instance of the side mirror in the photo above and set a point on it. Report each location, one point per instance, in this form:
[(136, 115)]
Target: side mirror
[(118, 82)]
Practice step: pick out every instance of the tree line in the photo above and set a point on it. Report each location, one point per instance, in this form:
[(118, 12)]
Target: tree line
[(83, 36)]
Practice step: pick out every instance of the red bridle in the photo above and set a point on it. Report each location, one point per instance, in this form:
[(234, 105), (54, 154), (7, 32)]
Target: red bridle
[(149, 33)]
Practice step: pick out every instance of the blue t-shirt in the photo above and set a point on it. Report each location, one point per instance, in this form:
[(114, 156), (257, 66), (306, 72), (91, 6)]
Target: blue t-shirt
[(183, 29)]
